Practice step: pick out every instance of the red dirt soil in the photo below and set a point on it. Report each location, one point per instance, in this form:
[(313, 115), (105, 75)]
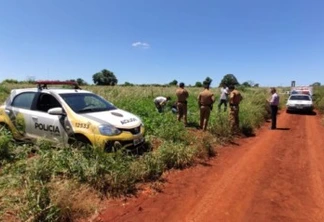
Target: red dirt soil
[(277, 175)]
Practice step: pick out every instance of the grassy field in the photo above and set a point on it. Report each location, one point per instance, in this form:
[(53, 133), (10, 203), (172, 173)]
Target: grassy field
[(42, 183)]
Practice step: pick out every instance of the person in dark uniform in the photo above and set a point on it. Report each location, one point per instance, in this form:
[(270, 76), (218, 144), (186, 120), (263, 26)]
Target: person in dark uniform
[(274, 103), (182, 95), (206, 100)]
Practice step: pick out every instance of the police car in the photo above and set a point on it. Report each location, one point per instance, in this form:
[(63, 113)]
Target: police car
[(66, 116)]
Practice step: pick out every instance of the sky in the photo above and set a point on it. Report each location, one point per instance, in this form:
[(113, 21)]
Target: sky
[(269, 42)]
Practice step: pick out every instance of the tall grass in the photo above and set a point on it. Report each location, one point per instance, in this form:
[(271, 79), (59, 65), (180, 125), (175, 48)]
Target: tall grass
[(319, 98)]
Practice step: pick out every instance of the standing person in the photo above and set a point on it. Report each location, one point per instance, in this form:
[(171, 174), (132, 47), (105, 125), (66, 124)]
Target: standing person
[(182, 95), (235, 99), (206, 100), (160, 102), (223, 98), (274, 102)]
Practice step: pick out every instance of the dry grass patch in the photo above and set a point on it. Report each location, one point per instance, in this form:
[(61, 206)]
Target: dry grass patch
[(74, 200)]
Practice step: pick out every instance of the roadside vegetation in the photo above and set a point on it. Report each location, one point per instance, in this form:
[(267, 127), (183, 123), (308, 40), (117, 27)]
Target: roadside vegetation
[(40, 182), (319, 98)]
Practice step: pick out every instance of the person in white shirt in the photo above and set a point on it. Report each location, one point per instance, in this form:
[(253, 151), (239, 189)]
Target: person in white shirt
[(160, 102), (223, 98), (274, 103)]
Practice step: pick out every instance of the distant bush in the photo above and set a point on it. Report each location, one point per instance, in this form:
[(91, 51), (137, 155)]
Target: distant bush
[(12, 81)]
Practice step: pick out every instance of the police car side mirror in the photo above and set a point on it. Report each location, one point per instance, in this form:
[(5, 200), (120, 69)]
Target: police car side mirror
[(56, 111)]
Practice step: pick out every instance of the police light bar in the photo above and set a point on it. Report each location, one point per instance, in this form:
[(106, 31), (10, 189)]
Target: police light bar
[(42, 84)]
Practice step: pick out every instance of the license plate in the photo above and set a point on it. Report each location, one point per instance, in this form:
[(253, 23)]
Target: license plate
[(138, 140), (299, 107)]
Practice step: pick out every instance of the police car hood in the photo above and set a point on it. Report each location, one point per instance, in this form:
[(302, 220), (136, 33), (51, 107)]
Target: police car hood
[(117, 117)]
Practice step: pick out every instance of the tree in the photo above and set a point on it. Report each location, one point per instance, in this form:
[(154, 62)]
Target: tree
[(105, 77), (207, 81), (229, 79), (128, 84), (256, 85), (316, 84), (10, 81), (249, 83), (173, 83), (81, 82), (30, 79), (246, 84), (198, 84)]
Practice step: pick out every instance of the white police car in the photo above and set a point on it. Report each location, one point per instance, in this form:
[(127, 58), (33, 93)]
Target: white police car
[(69, 115)]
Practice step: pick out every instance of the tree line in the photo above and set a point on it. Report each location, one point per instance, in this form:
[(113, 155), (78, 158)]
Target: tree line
[(107, 78)]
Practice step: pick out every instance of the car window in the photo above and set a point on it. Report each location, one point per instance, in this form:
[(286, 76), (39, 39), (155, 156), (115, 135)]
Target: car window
[(299, 98), (86, 102), (46, 102), (23, 100)]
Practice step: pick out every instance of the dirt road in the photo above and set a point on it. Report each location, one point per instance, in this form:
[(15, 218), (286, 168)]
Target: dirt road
[(278, 175)]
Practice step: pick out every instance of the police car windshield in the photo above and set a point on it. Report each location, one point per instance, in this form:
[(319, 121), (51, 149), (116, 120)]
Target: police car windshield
[(86, 102), (299, 98)]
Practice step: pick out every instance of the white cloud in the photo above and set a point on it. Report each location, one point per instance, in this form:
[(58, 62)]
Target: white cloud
[(142, 45)]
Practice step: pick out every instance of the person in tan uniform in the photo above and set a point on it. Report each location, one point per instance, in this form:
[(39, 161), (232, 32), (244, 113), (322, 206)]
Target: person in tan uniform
[(235, 99), (205, 101), (182, 95)]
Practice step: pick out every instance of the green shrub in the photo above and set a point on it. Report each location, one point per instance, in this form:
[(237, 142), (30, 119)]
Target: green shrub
[(206, 149), (5, 148), (149, 167), (37, 203), (176, 155), (220, 128)]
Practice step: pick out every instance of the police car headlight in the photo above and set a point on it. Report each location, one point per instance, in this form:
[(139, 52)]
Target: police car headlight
[(108, 130)]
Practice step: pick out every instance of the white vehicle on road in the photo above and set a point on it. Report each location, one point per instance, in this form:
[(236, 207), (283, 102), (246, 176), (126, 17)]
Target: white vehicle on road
[(299, 102)]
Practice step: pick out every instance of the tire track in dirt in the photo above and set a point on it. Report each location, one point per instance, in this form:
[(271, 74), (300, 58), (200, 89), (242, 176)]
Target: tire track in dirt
[(276, 176)]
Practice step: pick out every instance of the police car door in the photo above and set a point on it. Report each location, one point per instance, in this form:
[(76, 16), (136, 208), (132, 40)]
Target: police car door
[(45, 125), (19, 110)]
